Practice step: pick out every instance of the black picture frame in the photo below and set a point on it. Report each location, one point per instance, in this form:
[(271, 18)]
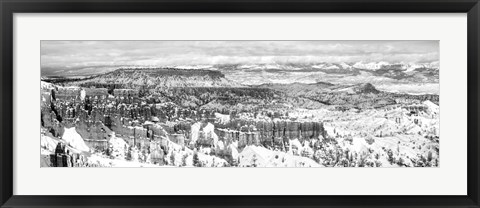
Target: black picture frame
[(9, 7)]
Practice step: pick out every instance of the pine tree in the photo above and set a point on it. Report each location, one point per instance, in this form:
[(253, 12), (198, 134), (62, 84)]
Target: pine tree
[(400, 161), (429, 156), (172, 159), (390, 158), (254, 161), (184, 160), (129, 154), (196, 160)]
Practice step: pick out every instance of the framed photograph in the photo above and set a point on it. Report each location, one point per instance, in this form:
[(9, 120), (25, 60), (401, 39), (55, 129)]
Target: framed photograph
[(269, 103)]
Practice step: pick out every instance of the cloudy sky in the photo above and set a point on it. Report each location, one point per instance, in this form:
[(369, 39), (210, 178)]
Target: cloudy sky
[(91, 57)]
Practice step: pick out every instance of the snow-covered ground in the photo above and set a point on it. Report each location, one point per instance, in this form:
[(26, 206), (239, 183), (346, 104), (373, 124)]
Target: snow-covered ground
[(255, 156), (107, 162)]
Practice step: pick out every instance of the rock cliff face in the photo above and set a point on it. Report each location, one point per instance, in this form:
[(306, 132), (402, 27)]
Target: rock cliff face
[(249, 132), (49, 121)]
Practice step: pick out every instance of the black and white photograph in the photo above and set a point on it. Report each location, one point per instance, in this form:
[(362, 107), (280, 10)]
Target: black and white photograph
[(240, 103)]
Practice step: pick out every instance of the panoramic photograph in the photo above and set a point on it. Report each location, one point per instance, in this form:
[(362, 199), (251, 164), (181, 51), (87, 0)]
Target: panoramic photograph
[(283, 104)]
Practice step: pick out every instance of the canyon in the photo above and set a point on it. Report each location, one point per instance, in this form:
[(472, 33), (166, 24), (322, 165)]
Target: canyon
[(146, 117)]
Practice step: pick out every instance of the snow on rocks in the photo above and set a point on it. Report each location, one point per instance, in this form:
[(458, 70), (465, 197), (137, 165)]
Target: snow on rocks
[(46, 85), (432, 107), (73, 139), (207, 131), (211, 161), (118, 145), (48, 143), (221, 118)]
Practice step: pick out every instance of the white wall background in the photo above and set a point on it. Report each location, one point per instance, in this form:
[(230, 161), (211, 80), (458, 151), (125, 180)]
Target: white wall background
[(449, 178)]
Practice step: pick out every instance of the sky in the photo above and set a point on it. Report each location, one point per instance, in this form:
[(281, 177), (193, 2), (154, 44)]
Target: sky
[(62, 58)]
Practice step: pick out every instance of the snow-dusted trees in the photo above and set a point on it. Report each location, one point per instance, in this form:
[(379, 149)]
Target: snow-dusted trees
[(184, 160), (390, 157), (196, 160), (172, 158), (254, 161)]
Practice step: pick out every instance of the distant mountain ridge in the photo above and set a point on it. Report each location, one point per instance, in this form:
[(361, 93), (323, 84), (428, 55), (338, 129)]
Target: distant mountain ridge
[(321, 87), (427, 71), (360, 96), (381, 74), (161, 78), (372, 66)]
